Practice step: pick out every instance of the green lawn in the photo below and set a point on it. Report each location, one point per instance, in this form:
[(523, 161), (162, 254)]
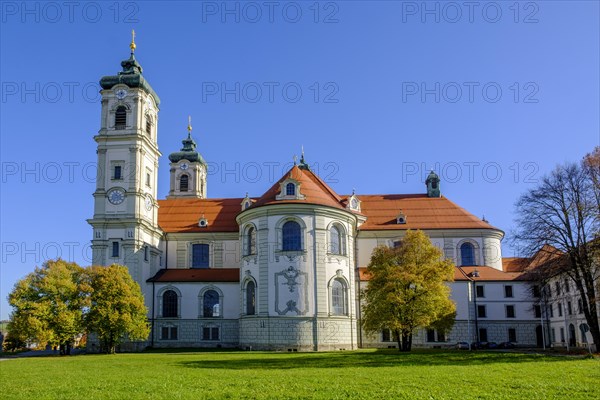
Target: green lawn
[(366, 374)]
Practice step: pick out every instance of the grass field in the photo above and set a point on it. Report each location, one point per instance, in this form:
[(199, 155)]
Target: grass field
[(366, 374)]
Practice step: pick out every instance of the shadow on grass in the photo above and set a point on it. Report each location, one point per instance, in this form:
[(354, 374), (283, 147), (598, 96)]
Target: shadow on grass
[(375, 359)]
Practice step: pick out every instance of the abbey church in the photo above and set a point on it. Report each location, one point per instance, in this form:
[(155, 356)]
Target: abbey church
[(283, 269)]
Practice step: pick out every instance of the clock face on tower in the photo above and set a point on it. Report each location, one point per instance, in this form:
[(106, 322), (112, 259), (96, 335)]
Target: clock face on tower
[(121, 93), (148, 202), (184, 166), (116, 196), (148, 103)]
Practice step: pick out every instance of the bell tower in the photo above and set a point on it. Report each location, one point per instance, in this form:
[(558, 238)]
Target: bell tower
[(125, 222), (188, 170)]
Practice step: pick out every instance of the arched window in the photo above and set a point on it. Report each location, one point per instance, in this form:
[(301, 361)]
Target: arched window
[(120, 117), (184, 183), (250, 298), (210, 304), (336, 241), (290, 189), (338, 297), (250, 241), (169, 306), (291, 236), (467, 254)]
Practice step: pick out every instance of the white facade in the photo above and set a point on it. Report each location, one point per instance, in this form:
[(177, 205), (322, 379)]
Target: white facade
[(279, 271)]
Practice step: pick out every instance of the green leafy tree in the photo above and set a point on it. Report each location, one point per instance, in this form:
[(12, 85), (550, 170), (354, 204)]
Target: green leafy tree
[(407, 289), (48, 304), (117, 309)]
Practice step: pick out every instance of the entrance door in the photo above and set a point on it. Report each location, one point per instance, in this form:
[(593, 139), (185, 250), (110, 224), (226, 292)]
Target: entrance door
[(571, 335)]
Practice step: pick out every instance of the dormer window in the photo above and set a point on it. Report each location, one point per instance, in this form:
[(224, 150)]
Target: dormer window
[(246, 202), (401, 218), (353, 203), (203, 223), (290, 189), (120, 118)]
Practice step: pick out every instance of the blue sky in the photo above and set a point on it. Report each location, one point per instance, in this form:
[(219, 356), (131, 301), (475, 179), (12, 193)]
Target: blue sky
[(491, 96)]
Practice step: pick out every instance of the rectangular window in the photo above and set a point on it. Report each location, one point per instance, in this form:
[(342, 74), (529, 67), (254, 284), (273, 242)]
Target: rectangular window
[(551, 310), (537, 311), (559, 309), (481, 312), (385, 335), (508, 291), (579, 306), (553, 335), (200, 257), (536, 291), (441, 336), (567, 287), (479, 291), (569, 308), (168, 333), (115, 249), (145, 253), (210, 333), (562, 335), (557, 288), (510, 311), (430, 335), (483, 335), (148, 179), (512, 335), (118, 172)]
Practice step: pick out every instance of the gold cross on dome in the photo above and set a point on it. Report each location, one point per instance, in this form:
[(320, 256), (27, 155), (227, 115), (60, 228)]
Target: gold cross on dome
[(132, 44)]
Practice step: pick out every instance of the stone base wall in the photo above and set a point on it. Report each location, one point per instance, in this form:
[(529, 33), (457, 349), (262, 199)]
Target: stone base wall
[(497, 331), (297, 334), (190, 333), (307, 334)]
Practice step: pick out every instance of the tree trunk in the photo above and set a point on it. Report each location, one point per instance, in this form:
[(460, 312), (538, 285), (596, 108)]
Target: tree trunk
[(406, 341), (397, 334)]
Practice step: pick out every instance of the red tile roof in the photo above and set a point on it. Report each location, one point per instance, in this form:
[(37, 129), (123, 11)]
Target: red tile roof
[(183, 215), (515, 264), (311, 186), (485, 274), (421, 212), (466, 273), (197, 275)]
